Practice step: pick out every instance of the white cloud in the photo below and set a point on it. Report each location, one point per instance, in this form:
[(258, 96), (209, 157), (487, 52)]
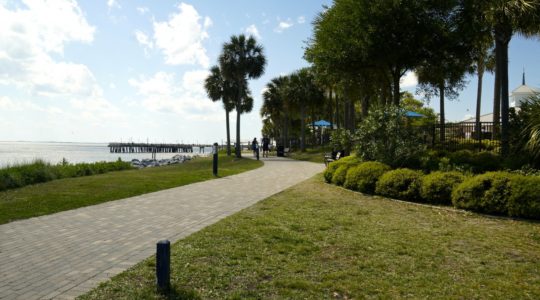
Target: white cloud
[(283, 25), (30, 35), (186, 97), (252, 30), (409, 80), (142, 10), (180, 38), (301, 20), (113, 4), (144, 40)]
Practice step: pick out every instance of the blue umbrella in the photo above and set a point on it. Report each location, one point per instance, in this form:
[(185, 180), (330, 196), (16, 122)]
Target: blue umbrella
[(413, 114), (322, 123)]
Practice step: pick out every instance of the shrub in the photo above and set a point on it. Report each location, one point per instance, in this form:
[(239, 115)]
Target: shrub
[(364, 177), (39, 171), (461, 157), (333, 166), (387, 136), (486, 193), (524, 200), (400, 184), (485, 161), (437, 187), (339, 175)]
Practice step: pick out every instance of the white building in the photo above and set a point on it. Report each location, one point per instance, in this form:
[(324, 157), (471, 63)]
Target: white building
[(517, 97)]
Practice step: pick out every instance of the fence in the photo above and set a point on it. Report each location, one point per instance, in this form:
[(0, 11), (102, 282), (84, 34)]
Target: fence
[(459, 136)]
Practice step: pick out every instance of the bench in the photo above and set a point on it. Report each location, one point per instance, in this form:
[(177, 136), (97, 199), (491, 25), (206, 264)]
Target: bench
[(328, 158)]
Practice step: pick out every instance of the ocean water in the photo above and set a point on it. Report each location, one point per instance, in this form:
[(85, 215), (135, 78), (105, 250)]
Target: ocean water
[(22, 152)]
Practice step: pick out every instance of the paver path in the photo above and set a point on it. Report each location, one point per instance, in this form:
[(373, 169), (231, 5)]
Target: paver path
[(66, 254)]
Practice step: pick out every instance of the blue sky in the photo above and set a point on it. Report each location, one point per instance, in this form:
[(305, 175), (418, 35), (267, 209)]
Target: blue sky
[(100, 71)]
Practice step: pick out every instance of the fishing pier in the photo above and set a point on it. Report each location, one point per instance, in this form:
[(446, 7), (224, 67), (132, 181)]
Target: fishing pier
[(155, 148)]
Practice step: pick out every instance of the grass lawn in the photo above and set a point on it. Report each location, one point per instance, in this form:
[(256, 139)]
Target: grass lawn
[(318, 241), (70, 193), (313, 155)]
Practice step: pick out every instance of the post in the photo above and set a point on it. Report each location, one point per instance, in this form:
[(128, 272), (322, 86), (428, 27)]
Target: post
[(163, 265), (215, 161)]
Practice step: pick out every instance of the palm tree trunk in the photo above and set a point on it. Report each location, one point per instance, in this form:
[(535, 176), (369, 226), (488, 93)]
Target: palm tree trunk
[(479, 98), (228, 133), (497, 104), (504, 96), (441, 102), (238, 145), (303, 129)]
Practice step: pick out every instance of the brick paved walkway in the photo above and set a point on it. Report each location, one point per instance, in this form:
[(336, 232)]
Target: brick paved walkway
[(66, 254)]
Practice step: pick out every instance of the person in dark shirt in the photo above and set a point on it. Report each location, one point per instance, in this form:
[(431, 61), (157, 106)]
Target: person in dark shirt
[(266, 143)]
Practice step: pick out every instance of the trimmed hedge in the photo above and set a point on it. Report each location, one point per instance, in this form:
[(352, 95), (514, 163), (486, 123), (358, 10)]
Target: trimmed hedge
[(339, 175), (333, 166), (364, 177), (524, 200), (486, 193), (437, 187), (401, 184)]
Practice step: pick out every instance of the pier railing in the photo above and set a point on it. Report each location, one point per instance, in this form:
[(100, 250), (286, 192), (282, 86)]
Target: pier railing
[(153, 148)]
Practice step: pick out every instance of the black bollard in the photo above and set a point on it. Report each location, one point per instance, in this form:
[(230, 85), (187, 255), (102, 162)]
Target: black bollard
[(163, 265), (215, 161)]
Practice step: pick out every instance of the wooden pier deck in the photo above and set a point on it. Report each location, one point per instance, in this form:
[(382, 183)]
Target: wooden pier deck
[(153, 148)]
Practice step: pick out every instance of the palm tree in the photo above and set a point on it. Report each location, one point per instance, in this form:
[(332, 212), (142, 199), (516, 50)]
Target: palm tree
[(273, 106), (218, 88), (241, 59), (303, 93), (508, 17)]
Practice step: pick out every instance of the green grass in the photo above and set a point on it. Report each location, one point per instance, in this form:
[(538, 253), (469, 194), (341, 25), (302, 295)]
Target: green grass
[(318, 241), (313, 155), (69, 193)]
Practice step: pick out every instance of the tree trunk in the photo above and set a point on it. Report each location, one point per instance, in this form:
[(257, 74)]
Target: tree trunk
[(497, 102), (337, 111), (303, 129), (504, 100), (238, 145), (365, 106), (238, 113), (228, 133), (478, 128), (441, 100), (396, 77)]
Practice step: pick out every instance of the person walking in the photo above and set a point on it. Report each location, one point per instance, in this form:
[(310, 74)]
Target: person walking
[(255, 147), (266, 143)]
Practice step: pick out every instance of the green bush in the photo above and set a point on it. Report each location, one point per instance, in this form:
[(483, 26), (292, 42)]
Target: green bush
[(340, 174), (437, 187), (364, 177), (401, 184), (478, 162), (524, 200), (39, 171), (333, 166), (485, 161), (387, 135), (486, 193)]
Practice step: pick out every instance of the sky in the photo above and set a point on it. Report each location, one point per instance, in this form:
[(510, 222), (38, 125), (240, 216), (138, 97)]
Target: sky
[(118, 70)]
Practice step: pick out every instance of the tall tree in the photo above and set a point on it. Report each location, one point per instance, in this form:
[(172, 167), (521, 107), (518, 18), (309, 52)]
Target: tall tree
[(273, 107), (506, 18), (304, 92), (241, 59), (218, 88)]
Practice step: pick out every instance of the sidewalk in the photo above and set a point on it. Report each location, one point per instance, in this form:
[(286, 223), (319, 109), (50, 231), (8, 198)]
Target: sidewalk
[(66, 254)]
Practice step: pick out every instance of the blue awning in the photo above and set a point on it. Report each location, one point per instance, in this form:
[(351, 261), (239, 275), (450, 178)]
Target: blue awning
[(322, 123), (413, 114)]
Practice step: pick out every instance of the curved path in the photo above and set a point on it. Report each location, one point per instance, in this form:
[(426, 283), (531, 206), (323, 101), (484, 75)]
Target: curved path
[(66, 254)]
